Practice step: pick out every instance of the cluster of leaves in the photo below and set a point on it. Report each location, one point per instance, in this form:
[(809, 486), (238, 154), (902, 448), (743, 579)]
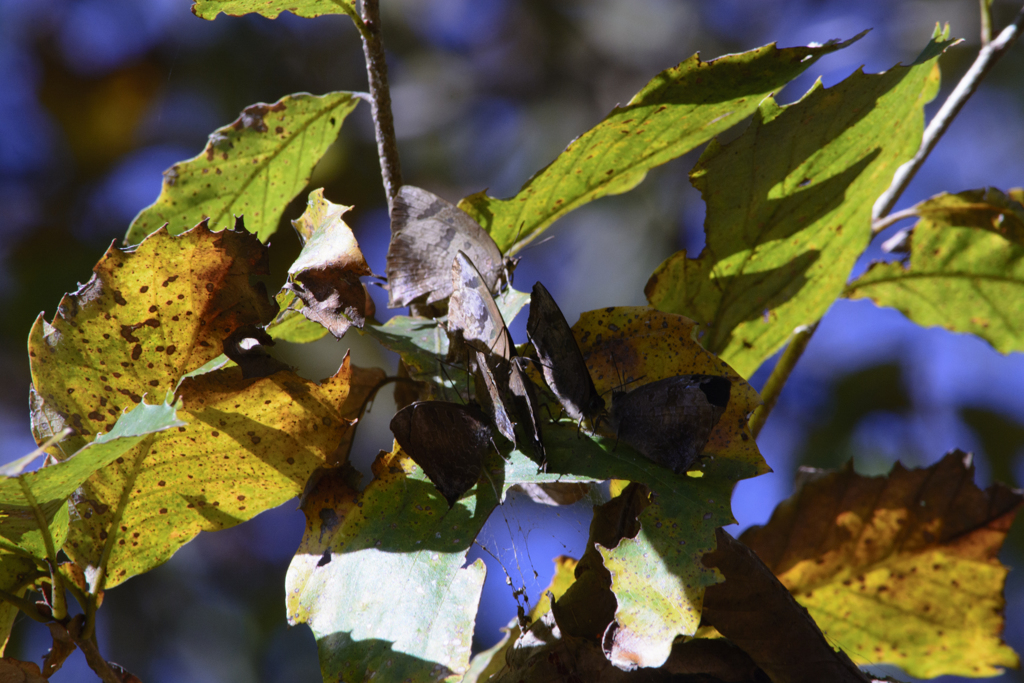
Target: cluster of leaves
[(162, 415)]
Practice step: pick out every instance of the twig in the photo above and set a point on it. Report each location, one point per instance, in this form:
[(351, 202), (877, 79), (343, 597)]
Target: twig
[(893, 218), (380, 99), (92, 654), (777, 380), (987, 57), (27, 607)]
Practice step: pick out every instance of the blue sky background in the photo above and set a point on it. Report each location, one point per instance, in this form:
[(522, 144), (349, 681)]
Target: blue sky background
[(98, 97)]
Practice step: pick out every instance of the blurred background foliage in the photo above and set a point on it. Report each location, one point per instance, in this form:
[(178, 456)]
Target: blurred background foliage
[(98, 97)]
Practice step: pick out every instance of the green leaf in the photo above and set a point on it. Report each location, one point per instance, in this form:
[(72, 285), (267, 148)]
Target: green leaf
[(290, 325), (966, 271), (253, 167), (788, 209), (678, 110), (423, 342), (209, 9), (901, 568), (33, 499), (379, 578)]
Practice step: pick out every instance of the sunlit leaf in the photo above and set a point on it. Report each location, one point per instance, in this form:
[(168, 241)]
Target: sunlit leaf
[(900, 569), (250, 445), (253, 167), (679, 109), (966, 271), (325, 276), (139, 326), (145, 318), (37, 498), (40, 496), (789, 208), (290, 325), (209, 9), (379, 578)]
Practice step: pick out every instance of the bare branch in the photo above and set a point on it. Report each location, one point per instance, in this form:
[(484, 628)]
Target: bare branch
[(380, 99), (987, 57)]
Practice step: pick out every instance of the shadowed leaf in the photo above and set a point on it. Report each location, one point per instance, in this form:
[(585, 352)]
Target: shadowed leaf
[(966, 271), (756, 612), (253, 167), (679, 109), (789, 208), (899, 569)]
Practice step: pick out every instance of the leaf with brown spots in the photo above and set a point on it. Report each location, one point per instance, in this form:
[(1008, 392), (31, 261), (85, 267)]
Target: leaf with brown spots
[(252, 167), (900, 569), (326, 274), (789, 208), (249, 445), (144, 319), (678, 110), (966, 269)]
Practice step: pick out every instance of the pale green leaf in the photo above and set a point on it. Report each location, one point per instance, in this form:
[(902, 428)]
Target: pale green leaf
[(253, 167), (379, 578), (209, 9), (788, 209), (659, 581), (678, 110), (966, 270)]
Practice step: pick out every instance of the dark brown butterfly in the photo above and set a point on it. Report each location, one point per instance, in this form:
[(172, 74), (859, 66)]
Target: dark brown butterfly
[(474, 318), (561, 362), (426, 233), (447, 440), (670, 420)]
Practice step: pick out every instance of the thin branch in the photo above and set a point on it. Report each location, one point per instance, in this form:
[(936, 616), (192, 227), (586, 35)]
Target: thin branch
[(893, 218), (987, 57), (380, 99), (773, 387), (93, 658)]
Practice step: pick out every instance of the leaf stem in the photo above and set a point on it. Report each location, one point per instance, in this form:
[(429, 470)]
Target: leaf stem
[(59, 604), (987, 57), (29, 608), (773, 387), (380, 99), (986, 22)]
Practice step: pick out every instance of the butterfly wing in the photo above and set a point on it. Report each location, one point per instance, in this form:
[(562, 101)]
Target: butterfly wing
[(447, 440), (426, 233), (561, 362), (670, 420), (473, 313)]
